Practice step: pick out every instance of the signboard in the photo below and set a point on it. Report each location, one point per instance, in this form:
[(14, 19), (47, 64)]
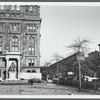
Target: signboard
[(70, 73), (80, 58)]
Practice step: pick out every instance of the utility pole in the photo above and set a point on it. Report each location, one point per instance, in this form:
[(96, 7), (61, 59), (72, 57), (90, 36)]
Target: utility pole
[(79, 76), (57, 73), (80, 46), (79, 54), (99, 50)]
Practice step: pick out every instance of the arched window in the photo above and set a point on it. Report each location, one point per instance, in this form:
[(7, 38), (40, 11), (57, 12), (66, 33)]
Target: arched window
[(31, 62), (0, 43), (31, 28), (31, 46), (13, 7), (26, 8), (14, 44), (17, 7), (2, 7), (28, 71), (33, 71)]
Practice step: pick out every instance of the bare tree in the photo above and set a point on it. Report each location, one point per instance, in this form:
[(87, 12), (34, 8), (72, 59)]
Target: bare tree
[(57, 58), (80, 46), (46, 65)]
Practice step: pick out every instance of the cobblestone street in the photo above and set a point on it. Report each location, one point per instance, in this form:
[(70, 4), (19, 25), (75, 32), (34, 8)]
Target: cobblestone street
[(42, 89)]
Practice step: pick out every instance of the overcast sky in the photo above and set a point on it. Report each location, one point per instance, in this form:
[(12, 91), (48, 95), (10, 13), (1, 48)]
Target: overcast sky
[(62, 24)]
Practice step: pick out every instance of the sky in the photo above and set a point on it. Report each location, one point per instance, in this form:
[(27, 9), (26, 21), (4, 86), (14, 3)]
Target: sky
[(61, 25)]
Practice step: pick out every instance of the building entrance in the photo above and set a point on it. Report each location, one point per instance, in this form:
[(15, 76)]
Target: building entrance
[(13, 65), (13, 70)]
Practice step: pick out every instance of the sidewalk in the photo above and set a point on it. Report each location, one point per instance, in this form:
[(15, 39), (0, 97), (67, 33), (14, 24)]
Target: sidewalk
[(42, 89), (70, 90)]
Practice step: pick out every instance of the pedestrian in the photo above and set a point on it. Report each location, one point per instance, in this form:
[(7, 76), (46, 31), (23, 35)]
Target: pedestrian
[(95, 86), (74, 82), (86, 83), (31, 81)]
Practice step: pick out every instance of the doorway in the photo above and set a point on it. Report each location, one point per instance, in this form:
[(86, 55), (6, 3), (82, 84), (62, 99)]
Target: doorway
[(13, 69)]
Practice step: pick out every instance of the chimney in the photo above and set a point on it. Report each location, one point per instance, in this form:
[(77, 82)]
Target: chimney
[(99, 50)]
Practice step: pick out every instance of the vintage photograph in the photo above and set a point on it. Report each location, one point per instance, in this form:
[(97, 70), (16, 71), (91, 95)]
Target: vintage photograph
[(51, 49)]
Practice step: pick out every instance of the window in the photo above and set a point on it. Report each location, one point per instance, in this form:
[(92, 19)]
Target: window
[(34, 28), (14, 44), (26, 9), (0, 43), (18, 15), (2, 14), (15, 27), (7, 8), (12, 15), (13, 7), (35, 9), (28, 71), (31, 8), (18, 7), (33, 71), (2, 26), (28, 28), (31, 28), (31, 62), (31, 46), (2, 7), (0, 73)]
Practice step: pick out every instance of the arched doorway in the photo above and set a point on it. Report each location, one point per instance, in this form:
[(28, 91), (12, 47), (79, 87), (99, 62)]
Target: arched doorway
[(12, 71)]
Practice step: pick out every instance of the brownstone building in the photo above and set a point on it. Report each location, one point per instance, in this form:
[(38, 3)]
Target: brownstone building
[(20, 41)]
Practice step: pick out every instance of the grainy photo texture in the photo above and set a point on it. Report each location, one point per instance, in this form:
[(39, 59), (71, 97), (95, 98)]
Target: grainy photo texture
[(49, 50)]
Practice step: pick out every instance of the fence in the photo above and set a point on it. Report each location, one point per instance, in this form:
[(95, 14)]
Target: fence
[(75, 83)]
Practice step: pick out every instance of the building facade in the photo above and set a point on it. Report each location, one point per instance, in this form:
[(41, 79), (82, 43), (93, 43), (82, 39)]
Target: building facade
[(62, 67), (93, 55), (69, 67), (19, 41)]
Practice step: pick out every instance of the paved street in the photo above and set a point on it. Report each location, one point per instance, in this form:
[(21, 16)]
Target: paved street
[(42, 89)]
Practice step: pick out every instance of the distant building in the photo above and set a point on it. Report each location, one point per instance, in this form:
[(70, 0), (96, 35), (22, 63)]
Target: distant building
[(63, 66), (19, 41), (93, 55), (69, 65)]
